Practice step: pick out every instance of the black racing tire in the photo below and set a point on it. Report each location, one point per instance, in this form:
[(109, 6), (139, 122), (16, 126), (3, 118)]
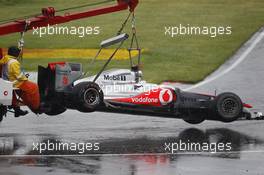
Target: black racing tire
[(55, 110), (3, 111), (1, 117), (246, 115), (228, 107), (88, 96), (194, 120)]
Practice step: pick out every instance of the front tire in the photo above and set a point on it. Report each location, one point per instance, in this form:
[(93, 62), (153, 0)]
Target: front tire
[(228, 107), (89, 96)]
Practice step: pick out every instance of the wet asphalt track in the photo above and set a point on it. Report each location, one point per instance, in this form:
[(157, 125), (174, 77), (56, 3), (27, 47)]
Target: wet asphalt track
[(141, 139)]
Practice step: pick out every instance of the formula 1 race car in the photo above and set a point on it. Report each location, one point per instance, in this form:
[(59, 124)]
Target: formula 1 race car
[(63, 87)]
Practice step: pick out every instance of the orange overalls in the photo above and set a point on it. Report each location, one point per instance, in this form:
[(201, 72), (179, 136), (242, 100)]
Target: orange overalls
[(11, 71)]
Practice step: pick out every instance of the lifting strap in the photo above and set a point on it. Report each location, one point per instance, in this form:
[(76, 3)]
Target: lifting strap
[(98, 53), (21, 44), (134, 45)]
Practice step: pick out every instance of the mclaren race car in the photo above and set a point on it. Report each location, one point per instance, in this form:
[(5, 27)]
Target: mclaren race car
[(64, 86)]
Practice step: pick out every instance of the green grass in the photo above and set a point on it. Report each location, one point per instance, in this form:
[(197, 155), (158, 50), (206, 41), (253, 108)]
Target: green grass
[(185, 58)]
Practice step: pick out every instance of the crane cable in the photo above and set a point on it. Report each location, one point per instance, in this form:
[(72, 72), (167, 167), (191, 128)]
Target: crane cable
[(99, 51), (134, 41), (134, 38), (124, 24)]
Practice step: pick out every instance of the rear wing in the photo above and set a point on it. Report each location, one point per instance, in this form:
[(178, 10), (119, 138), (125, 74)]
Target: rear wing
[(114, 40)]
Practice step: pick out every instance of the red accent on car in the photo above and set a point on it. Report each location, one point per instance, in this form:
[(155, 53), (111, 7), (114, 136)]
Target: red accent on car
[(166, 96), (52, 66), (5, 93), (247, 105), (155, 97), (65, 80)]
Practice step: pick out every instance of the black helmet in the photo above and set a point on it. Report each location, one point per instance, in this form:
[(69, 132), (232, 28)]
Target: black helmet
[(13, 51)]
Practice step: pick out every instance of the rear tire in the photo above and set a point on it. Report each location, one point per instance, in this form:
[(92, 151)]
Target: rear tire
[(228, 107), (89, 96)]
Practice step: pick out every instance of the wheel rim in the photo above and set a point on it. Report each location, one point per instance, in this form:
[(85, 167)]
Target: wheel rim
[(229, 107), (91, 96)]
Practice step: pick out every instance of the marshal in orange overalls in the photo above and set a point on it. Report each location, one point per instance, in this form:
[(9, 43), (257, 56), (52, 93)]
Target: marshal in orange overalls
[(11, 71)]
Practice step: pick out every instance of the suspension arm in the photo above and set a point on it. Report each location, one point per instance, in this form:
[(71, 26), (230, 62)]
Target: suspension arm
[(49, 17)]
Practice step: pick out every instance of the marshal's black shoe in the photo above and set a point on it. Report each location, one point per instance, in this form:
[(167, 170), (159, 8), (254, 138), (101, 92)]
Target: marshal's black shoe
[(19, 112)]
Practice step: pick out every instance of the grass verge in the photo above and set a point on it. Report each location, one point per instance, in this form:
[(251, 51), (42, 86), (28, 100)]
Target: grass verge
[(184, 58)]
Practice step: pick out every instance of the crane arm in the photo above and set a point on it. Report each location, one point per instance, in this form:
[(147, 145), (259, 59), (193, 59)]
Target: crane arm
[(49, 17)]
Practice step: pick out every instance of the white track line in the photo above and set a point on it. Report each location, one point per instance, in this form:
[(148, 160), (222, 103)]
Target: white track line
[(135, 154), (235, 64)]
